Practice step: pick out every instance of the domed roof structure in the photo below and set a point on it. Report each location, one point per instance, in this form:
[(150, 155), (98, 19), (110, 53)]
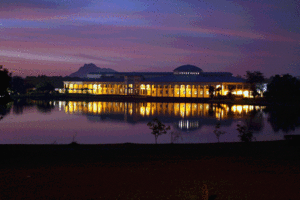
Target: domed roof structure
[(188, 68)]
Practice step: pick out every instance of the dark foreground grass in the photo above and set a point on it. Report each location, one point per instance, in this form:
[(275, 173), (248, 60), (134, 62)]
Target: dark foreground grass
[(258, 170)]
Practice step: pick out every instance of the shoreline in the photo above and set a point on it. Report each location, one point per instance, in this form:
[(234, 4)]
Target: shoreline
[(121, 98)]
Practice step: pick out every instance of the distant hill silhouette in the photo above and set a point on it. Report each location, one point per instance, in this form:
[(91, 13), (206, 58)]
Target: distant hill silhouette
[(89, 68)]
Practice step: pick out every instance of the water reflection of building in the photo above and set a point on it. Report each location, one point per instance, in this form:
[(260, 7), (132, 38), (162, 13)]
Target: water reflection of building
[(184, 115), (185, 81)]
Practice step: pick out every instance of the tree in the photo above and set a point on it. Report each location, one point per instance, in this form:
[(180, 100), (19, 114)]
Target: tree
[(158, 128), (255, 79), (244, 133), (211, 90), (283, 89), (218, 91), (5, 79), (45, 87), (230, 89), (217, 131), (5, 109), (175, 136), (18, 85)]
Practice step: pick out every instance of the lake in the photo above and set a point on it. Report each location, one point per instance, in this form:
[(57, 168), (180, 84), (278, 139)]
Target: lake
[(61, 122)]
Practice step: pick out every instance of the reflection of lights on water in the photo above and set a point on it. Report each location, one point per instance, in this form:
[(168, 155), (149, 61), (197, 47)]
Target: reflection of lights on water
[(147, 111), (187, 124), (245, 108), (233, 108), (182, 114), (184, 110), (142, 111), (95, 108), (59, 105), (239, 109)]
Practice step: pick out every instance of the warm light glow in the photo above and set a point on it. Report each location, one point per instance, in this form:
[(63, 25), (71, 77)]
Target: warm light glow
[(183, 110), (239, 109), (142, 111), (239, 92)]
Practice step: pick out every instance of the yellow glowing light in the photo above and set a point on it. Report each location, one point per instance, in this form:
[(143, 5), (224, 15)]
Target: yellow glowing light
[(239, 109), (147, 111), (233, 109), (142, 111), (239, 92)]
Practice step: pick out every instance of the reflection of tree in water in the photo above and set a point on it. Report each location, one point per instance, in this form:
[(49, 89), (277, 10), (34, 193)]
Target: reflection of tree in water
[(5, 109), (283, 118), (19, 105), (45, 107), (211, 112), (255, 121)]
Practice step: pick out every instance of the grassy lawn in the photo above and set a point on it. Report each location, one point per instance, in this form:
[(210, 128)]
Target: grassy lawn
[(258, 170)]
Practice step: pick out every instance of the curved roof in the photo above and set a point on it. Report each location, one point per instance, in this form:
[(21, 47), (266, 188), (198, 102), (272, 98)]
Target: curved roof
[(188, 68)]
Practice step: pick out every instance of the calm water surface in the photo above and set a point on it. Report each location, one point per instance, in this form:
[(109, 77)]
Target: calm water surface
[(60, 122)]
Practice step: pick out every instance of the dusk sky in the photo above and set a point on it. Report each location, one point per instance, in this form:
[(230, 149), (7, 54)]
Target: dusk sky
[(56, 37)]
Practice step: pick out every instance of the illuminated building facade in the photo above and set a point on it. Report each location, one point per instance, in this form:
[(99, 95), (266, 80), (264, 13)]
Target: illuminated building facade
[(186, 81)]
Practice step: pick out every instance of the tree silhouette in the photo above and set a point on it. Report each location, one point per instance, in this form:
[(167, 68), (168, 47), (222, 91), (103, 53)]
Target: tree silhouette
[(5, 79), (217, 131), (211, 90), (18, 85), (230, 89), (283, 89), (4, 109), (244, 133), (218, 91), (175, 136), (45, 87), (158, 128), (255, 79)]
